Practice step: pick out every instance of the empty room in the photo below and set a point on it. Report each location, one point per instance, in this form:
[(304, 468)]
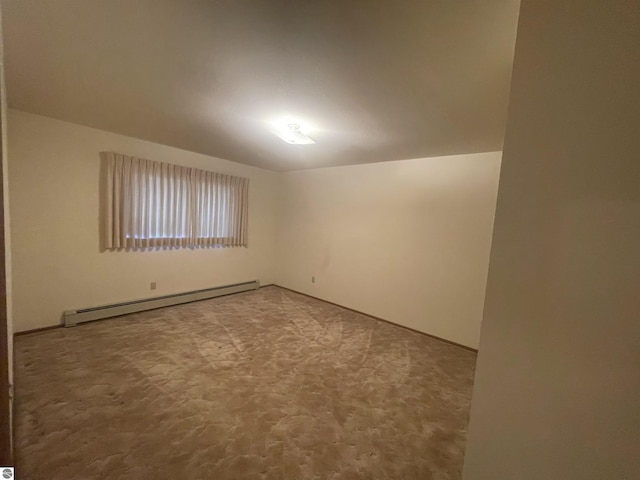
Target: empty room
[(259, 239)]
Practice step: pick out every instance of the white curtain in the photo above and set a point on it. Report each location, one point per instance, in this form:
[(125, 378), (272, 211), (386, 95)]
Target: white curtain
[(152, 204)]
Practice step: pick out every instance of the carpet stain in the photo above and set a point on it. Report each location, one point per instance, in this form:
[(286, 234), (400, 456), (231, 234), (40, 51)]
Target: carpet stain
[(260, 385)]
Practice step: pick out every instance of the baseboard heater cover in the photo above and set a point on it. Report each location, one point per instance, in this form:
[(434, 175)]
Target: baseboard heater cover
[(74, 317)]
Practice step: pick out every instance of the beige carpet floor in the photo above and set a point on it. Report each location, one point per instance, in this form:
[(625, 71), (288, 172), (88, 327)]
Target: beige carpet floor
[(260, 385)]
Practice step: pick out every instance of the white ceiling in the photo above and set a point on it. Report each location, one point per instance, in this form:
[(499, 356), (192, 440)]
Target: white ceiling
[(378, 79)]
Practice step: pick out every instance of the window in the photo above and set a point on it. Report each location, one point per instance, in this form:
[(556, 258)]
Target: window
[(152, 204)]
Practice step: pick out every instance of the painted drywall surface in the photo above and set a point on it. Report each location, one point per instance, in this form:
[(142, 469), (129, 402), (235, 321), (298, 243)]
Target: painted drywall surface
[(54, 187), (557, 392), (407, 241)]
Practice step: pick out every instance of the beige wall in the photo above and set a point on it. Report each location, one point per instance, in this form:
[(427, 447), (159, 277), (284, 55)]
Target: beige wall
[(54, 195), (557, 393), (407, 241)]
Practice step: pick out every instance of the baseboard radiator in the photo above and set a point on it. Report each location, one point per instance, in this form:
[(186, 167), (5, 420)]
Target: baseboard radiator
[(74, 317)]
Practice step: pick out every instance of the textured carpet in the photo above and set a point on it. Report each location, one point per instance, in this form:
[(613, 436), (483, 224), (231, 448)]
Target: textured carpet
[(260, 385)]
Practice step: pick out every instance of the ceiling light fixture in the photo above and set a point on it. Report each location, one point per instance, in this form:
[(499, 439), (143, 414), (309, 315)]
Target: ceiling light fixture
[(292, 132)]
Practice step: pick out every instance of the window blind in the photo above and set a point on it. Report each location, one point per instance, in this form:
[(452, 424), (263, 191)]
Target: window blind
[(154, 204)]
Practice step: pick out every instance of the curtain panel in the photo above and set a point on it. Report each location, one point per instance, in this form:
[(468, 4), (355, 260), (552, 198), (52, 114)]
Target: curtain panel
[(152, 204)]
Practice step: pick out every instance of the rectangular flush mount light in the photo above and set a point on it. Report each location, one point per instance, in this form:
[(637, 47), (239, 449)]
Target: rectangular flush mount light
[(292, 133)]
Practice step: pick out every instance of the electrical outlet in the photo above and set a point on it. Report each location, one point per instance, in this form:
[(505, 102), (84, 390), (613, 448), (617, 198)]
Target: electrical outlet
[(153, 285), (313, 279)]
